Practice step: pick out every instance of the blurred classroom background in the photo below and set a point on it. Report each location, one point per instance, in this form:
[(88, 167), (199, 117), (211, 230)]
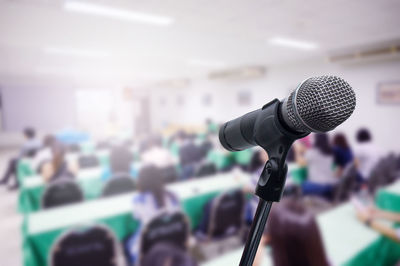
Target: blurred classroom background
[(109, 118)]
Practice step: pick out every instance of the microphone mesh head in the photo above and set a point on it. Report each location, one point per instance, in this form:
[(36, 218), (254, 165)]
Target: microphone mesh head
[(320, 104)]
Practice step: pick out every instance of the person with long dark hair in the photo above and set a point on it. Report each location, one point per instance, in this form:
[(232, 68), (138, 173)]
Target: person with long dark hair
[(294, 236), (342, 153), (319, 162), (151, 199)]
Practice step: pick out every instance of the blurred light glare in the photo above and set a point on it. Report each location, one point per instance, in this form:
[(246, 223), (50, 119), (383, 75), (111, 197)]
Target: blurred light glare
[(75, 52), (116, 13), (292, 43), (206, 63)]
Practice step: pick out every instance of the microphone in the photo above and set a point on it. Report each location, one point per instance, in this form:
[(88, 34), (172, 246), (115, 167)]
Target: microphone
[(318, 104)]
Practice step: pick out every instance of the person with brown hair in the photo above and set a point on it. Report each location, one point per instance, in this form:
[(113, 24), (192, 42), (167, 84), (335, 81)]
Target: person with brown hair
[(342, 153), (57, 167), (294, 236)]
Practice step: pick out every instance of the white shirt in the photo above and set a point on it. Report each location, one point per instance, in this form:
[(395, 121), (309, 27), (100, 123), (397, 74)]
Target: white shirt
[(42, 156), (319, 167), (144, 210), (158, 156), (367, 155)]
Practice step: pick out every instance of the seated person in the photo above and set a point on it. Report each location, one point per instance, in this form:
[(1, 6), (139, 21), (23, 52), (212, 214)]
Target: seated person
[(157, 155), (189, 155), (257, 163), (319, 163), (45, 154), (121, 159), (151, 199), (29, 148), (366, 154), (342, 153), (164, 254), (58, 167), (370, 217), (294, 236)]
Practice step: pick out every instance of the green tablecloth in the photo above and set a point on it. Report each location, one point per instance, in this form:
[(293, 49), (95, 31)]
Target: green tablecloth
[(298, 174), (383, 251), (243, 157), (24, 169), (30, 194), (221, 159), (346, 241), (389, 198), (41, 229)]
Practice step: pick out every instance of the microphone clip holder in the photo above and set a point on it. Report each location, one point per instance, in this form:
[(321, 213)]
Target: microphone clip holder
[(276, 139)]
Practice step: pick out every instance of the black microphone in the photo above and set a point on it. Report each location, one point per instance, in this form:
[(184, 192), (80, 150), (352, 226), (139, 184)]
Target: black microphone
[(318, 104)]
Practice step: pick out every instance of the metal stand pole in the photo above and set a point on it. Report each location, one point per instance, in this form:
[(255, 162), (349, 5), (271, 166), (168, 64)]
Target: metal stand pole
[(256, 231)]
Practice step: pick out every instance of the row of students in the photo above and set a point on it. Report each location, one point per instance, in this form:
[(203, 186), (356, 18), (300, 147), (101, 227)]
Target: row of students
[(326, 161)]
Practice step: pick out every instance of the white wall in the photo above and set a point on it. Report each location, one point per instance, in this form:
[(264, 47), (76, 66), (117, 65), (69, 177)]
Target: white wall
[(383, 120), (44, 108)]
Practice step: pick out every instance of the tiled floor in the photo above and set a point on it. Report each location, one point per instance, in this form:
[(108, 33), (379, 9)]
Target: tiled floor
[(10, 221)]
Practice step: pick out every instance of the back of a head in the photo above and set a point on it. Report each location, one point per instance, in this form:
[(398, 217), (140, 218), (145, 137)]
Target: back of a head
[(29, 133), (49, 141), (156, 141), (340, 140), (150, 180), (255, 162), (58, 151), (321, 142), (120, 159), (295, 237), (363, 135), (166, 254)]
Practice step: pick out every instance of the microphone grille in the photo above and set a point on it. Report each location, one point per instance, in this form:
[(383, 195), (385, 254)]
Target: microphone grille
[(321, 104)]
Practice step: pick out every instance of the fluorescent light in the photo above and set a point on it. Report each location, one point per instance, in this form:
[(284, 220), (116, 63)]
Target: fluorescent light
[(206, 63), (297, 44), (75, 52), (116, 13)]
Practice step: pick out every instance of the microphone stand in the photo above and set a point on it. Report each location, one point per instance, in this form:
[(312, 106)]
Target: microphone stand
[(256, 231), (272, 135)]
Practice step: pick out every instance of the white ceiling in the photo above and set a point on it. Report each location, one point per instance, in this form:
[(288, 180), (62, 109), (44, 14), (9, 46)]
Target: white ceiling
[(226, 33)]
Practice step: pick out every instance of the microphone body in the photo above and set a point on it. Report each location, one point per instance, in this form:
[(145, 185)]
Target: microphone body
[(318, 104)]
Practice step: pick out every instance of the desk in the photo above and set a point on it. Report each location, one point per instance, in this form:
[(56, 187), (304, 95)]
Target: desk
[(296, 173), (221, 158), (25, 169), (32, 188), (40, 229), (343, 235), (346, 241), (233, 258), (91, 181), (349, 242), (388, 198)]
